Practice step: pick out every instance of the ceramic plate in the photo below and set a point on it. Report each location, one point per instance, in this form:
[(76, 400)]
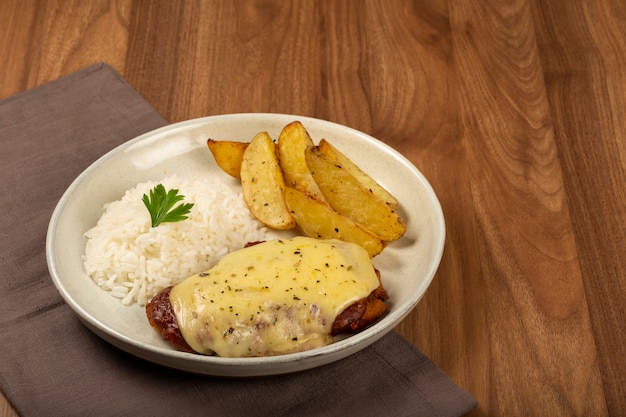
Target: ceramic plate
[(407, 265)]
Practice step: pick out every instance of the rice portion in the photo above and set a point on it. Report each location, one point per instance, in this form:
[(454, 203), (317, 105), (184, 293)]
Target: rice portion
[(134, 261)]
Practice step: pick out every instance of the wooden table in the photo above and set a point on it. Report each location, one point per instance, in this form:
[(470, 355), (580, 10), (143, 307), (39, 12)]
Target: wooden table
[(512, 109)]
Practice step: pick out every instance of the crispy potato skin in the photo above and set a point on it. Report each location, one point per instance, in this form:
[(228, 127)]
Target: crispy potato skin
[(318, 220), (345, 193), (293, 182), (263, 185), (228, 155), (326, 148), (292, 142)]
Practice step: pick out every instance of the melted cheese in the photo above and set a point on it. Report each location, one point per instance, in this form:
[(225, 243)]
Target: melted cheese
[(276, 297)]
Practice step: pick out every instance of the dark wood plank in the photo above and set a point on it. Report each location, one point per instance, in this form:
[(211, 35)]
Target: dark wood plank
[(537, 314), (238, 57), (582, 46)]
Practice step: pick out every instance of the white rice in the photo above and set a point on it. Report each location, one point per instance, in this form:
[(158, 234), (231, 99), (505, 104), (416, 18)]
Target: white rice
[(133, 261)]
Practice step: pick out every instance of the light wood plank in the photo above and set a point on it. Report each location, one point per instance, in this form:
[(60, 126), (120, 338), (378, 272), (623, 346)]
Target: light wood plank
[(44, 40)]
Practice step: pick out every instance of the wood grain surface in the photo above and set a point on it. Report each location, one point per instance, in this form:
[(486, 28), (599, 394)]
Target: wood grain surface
[(512, 109)]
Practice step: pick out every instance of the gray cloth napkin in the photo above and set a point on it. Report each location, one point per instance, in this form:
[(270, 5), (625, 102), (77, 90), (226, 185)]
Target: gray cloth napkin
[(51, 365)]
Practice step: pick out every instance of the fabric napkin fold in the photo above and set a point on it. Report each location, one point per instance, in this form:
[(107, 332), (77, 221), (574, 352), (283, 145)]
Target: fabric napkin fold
[(51, 365)]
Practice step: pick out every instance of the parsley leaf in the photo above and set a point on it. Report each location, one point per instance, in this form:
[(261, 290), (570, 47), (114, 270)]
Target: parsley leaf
[(160, 204)]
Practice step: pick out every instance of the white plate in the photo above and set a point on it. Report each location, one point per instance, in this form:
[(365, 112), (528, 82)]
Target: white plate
[(407, 265)]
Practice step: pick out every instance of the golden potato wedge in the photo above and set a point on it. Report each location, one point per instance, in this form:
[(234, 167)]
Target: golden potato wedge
[(348, 196), (263, 185), (368, 182), (317, 219), (228, 155), (292, 142)]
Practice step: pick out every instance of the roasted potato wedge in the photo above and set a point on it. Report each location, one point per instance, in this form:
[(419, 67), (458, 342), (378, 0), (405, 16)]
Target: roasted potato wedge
[(345, 193), (317, 219), (228, 155), (263, 184), (292, 142), (368, 182)]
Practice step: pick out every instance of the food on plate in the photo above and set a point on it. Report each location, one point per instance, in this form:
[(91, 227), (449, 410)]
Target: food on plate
[(292, 142), (332, 184), (347, 195), (368, 182), (317, 219), (134, 253), (133, 261), (274, 297), (228, 155), (263, 185)]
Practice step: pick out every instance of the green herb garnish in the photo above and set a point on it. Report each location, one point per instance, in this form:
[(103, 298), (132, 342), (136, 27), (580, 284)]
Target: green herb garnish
[(160, 205)]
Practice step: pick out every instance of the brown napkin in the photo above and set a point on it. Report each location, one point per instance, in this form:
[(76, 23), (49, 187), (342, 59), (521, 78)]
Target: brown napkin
[(51, 365)]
